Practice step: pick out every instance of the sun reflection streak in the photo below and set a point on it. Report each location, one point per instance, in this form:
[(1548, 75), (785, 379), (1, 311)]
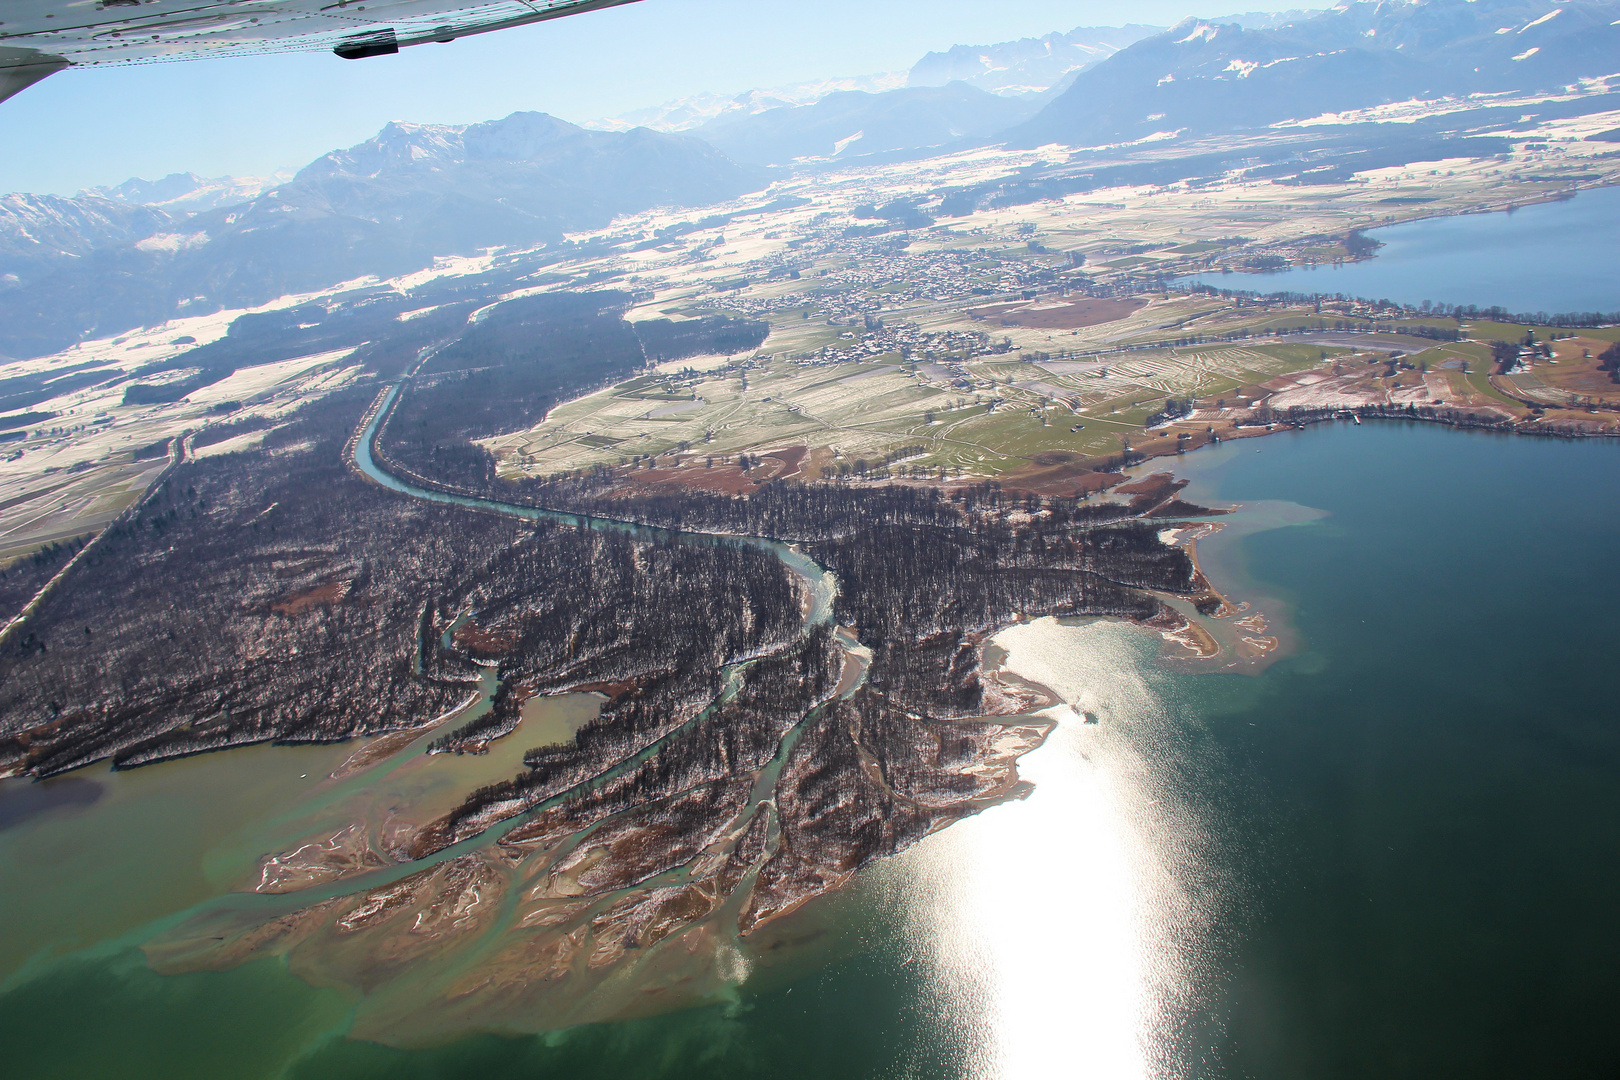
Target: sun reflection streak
[(1055, 928)]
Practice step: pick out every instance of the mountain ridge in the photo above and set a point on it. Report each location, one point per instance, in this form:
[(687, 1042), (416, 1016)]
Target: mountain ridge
[(1203, 77), (853, 123), (1028, 65), (387, 206), (188, 193)]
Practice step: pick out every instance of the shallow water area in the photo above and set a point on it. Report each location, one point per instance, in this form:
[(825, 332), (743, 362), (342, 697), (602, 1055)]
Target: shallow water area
[(157, 840), (371, 805)]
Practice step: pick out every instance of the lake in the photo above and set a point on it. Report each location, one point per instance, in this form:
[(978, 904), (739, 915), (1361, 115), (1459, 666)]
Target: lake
[(1394, 851), (1550, 257)]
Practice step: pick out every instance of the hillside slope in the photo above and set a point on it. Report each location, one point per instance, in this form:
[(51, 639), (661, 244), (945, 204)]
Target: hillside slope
[(387, 206), (1202, 77)]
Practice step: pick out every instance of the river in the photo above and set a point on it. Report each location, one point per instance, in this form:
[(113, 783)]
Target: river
[(1392, 851), (1549, 257)]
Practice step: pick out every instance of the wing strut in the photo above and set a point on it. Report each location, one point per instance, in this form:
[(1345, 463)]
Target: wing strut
[(22, 76)]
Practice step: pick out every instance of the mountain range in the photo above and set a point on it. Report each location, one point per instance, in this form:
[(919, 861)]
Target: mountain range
[(144, 251), (1203, 76), (852, 124), (41, 231), (695, 110), (387, 206), (1029, 65), (188, 193), (1096, 87)]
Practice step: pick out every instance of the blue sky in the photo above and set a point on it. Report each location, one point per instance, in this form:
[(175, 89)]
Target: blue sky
[(253, 115)]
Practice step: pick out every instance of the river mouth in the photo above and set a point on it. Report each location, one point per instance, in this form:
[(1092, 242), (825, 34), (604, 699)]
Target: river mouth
[(324, 901), (503, 912), (1184, 873)]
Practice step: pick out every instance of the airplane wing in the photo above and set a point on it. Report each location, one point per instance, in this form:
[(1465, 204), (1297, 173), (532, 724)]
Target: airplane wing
[(41, 37)]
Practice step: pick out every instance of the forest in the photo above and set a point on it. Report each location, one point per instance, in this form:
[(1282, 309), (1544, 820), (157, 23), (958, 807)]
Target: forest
[(519, 359), (279, 595)]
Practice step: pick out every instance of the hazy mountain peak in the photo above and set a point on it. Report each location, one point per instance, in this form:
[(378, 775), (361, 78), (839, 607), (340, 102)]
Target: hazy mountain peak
[(853, 122), (383, 207), (1191, 31), (1028, 65), (1268, 20), (186, 192), (398, 145), (51, 226), (522, 136), (136, 190), (687, 113), (1206, 75)]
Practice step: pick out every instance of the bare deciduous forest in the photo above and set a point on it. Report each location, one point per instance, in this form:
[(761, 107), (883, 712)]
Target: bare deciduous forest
[(279, 595)]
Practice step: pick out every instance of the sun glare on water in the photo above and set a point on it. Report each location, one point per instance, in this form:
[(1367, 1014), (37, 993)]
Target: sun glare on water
[(1057, 926)]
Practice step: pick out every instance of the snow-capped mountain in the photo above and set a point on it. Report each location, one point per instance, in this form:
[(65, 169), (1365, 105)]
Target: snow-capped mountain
[(854, 124), (386, 206), (188, 193), (36, 230), (1205, 76), (1037, 64), (685, 114), (1029, 65)]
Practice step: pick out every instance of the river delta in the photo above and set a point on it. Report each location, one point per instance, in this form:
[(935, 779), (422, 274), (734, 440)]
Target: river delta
[(1333, 796), (1185, 878)]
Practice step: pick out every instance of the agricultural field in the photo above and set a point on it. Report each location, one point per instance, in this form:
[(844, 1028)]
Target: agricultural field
[(977, 416), (1009, 338), (89, 454)]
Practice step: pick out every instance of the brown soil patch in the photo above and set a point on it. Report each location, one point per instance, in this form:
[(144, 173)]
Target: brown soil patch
[(320, 596), (1578, 373), (819, 458), (791, 460), (1151, 491), (476, 639), (1591, 383), (1176, 508), (1175, 627), (722, 480), (375, 750), (1160, 484), (1059, 474), (613, 691), (1068, 317)]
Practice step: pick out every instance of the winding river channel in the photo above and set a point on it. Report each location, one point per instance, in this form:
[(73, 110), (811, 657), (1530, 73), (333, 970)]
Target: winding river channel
[(1392, 851), (379, 787), (820, 584)]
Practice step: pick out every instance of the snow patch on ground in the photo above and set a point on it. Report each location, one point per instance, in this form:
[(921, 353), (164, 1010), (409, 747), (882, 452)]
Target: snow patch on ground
[(234, 445), (252, 382), (1551, 15), (173, 243)]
